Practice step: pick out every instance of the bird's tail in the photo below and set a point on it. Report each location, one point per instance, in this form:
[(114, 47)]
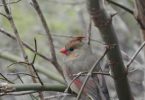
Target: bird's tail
[(100, 92), (92, 90)]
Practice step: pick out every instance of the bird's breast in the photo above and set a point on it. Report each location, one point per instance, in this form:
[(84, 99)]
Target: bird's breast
[(81, 64)]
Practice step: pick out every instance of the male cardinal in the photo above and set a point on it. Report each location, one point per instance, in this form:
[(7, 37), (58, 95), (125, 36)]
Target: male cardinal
[(80, 58)]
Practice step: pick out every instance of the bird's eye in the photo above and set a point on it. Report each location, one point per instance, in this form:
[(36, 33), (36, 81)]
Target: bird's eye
[(71, 49)]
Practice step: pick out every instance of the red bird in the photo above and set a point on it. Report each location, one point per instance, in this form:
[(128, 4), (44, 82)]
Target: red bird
[(80, 58)]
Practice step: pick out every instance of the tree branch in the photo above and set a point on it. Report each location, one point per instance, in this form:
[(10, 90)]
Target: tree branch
[(90, 73), (135, 54), (104, 23), (121, 6), (50, 74), (6, 88), (25, 44), (52, 50), (12, 23)]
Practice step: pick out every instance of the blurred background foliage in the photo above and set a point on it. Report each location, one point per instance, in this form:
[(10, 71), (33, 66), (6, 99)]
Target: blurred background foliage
[(64, 17)]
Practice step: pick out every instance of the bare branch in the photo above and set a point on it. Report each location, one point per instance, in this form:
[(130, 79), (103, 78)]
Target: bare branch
[(25, 44), (18, 94), (56, 96), (4, 15), (93, 73), (14, 28), (37, 74), (30, 67), (10, 18), (135, 54), (129, 11), (121, 6), (6, 79), (32, 64), (19, 77), (90, 73), (13, 2), (19, 73), (77, 76), (83, 74), (67, 3), (52, 50), (35, 52)]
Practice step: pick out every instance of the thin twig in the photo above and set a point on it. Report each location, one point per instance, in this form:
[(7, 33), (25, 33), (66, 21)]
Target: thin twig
[(52, 50), (35, 51), (6, 79), (83, 74), (14, 27), (89, 32), (10, 18), (19, 73), (33, 97), (18, 94), (64, 36), (124, 54), (16, 63), (4, 15), (121, 6), (40, 14), (93, 73), (19, 77), (135, 54), (77, 76), (66, 3), (56, 96), (11, 2), (37, 74), (32, 64), (90, 73), (25, 44), (128, 10)]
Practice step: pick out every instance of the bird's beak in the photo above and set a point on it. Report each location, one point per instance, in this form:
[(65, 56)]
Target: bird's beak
[(64, 51)]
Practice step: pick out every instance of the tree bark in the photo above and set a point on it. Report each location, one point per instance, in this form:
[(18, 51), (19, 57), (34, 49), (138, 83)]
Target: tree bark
[(103, 21)]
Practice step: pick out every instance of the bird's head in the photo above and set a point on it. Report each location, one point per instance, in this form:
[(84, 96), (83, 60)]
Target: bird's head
[(73, 45)]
